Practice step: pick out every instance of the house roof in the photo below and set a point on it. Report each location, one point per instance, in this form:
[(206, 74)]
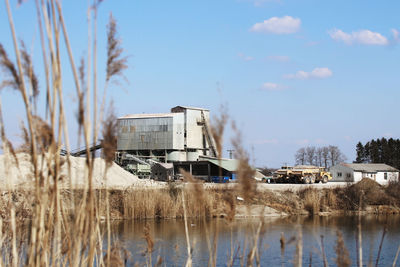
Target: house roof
[(370, 167)]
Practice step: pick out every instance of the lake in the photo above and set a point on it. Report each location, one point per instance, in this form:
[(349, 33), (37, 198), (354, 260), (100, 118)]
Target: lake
[(170, 240)]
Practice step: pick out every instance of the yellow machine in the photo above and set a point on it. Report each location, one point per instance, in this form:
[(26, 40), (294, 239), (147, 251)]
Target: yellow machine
[(307, 174)]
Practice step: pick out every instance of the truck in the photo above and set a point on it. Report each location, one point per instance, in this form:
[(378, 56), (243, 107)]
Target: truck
[(307, 174)]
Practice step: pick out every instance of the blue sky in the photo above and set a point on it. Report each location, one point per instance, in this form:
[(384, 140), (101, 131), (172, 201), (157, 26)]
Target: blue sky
[(292, 73)]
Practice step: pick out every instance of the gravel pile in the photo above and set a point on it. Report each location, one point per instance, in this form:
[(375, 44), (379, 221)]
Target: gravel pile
[(21, 174)]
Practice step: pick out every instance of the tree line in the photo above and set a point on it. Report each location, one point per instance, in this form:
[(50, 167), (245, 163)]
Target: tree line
[(379, 151), (325, 156)]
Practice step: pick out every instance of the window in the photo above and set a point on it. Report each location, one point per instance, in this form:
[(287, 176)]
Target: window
[(339, 174), (385, 175), (348, 175)]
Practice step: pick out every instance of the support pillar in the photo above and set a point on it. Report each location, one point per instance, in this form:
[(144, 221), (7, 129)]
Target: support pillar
[(209, 171)]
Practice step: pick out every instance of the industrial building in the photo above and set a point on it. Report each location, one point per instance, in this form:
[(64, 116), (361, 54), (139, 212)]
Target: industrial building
[(182, 137), (354, 172)]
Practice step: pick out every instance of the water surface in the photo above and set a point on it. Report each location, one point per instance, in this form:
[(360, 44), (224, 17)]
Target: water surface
[(237, 238)]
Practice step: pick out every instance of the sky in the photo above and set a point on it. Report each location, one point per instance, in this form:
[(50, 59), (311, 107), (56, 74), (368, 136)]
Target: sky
[(291, 73)]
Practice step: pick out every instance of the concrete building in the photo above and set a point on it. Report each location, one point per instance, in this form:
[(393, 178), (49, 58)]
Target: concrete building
[(209, 169), (181, 135), (354, 172)]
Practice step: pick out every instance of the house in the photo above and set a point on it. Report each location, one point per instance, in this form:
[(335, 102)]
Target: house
[(354, 172)]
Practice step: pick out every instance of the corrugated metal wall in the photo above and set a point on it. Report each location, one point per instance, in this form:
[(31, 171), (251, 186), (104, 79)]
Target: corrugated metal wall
[(145, 133)]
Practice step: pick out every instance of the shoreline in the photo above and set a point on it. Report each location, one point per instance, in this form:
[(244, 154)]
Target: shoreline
[(227, 201)]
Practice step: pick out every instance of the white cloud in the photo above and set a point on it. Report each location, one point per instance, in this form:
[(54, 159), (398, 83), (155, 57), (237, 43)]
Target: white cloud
[(272, 86), (245, 58), (279, 58), (317, 73), (365, 37), (396, 36), (284, 25)]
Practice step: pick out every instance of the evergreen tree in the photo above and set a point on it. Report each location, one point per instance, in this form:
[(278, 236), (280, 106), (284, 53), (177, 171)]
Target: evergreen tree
[(379, 151), (360, 153), (385, 152), (367, 153), (374, 151)]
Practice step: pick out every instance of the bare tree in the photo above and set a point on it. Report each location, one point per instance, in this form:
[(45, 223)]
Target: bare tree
[(318, 155), (335, 155), (300, 156), (325, 156), (310, 155)]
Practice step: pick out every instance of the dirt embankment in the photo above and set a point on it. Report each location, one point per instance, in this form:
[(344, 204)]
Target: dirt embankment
[(134, 203), (366, 196)]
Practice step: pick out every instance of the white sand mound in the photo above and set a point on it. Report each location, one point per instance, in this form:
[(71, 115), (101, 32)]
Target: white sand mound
[(116, 177), (22, 175)]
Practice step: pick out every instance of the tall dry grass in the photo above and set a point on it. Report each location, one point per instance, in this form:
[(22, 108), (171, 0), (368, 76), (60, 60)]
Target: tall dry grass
[(311, 198), (62, 231)]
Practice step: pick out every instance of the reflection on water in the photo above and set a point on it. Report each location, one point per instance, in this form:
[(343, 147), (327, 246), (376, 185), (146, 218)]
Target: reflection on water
[(237, 237)]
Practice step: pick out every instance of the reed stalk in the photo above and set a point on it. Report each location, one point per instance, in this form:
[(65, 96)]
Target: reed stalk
[(359, 236), (380, 246), (325, 260), (299, 248), (189, 250), (395, 258)]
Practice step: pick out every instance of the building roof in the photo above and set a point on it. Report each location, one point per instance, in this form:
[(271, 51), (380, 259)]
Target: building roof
[(166, 165), (187, 107), (230, 165), (146, 116), (159, 115), (370, 167)]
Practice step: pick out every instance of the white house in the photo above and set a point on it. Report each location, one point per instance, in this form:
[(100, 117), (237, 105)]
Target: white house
[(354, 172)]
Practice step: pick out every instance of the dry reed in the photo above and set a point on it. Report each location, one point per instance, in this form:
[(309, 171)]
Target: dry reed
[(311, 200), (62, 232)]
